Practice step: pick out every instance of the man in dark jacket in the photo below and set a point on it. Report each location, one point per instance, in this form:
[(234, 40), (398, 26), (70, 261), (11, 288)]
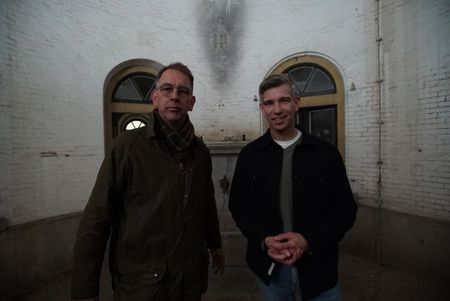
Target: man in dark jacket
[(291, 199), (154, 200)]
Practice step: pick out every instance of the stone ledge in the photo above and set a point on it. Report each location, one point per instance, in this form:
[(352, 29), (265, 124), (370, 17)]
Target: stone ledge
[(226, 147)]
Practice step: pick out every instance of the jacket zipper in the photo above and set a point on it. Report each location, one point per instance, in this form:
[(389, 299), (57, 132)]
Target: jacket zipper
[(184, 183)]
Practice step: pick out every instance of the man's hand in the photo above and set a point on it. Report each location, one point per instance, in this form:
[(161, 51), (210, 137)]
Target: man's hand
[(274, 249), (218, 261), (286, 247)]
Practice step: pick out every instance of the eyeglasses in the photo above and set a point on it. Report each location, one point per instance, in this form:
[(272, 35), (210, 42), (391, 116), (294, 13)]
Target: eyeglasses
[(167, 90)]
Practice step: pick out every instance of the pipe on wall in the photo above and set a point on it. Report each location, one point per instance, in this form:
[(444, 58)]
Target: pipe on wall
[(376, 247)]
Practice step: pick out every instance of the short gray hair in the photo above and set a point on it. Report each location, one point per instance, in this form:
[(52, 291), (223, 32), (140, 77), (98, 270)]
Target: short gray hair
[(179, 67), (277, 80)]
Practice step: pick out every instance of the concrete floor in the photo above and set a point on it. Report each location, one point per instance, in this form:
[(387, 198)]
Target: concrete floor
[(360, 280)]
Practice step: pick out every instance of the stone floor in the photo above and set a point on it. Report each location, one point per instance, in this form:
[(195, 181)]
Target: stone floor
[(360, 280)]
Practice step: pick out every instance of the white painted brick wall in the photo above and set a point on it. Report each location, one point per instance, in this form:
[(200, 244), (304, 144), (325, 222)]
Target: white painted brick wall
[(56, 54), (416, 152)]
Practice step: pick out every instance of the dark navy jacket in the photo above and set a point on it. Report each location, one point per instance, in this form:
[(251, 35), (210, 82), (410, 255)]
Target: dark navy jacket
[(323, 206)]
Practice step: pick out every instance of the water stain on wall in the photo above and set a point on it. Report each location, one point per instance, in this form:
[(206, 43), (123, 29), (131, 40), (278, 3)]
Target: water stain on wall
[(221, 23)]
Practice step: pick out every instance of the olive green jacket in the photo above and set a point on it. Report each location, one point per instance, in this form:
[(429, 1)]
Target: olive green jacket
[(159, 214)]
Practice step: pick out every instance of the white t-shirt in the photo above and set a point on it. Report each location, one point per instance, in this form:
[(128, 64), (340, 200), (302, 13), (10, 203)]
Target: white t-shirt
[(286, 143)]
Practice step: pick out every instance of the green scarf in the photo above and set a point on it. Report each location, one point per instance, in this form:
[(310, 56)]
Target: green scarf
[(176, 140)]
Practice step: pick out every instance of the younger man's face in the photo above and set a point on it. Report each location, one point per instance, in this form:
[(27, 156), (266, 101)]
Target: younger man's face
[(279, 106)]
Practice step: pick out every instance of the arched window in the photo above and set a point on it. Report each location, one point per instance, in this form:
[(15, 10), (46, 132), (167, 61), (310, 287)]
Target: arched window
[(127, 97), (135, 88), (311, 80), (320, 86)]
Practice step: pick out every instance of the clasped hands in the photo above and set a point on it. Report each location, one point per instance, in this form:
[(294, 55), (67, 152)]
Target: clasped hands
[(286, 247)]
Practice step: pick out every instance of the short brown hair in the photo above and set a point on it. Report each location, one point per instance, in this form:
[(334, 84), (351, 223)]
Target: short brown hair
[(274, 81), (179, 67)]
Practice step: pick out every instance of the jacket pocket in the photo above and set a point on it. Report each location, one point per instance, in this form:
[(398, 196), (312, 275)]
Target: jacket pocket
[(136, 282), (135, 221), (134, 199), (146, 273), (260, 189), (317, 196)]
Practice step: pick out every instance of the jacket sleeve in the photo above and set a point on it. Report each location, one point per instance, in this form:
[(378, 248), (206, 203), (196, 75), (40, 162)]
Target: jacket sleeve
[(240, 208), (339, 218), (213, 239), (93, 233)]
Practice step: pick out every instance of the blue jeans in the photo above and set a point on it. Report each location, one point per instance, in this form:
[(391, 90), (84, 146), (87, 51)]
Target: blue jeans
[(284, 286)]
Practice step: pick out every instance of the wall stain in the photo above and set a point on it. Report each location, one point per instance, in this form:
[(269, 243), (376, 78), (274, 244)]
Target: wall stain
[(220, 22)]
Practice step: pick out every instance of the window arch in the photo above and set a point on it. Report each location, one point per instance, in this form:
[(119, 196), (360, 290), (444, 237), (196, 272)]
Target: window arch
[(311, 80), (127, 96), (322, 110), (135, 88), (128, 122)]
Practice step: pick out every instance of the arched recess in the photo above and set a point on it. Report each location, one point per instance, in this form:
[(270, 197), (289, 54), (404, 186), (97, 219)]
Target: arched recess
[(126, 96), (329, 102)]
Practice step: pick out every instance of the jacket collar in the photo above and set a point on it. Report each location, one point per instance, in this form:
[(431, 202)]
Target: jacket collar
[(266, 139), (151, 125)]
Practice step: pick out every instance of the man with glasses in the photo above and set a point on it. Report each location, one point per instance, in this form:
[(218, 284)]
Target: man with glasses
[(154, 199), (292, 200)]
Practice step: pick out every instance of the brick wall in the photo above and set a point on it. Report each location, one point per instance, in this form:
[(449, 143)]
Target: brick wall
[(416, 107), (55, 56)]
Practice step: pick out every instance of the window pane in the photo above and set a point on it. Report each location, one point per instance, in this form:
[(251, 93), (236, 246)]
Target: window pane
[(134, 124), (127, 91), (312, 80), (300, 77), (135, 89), (322, 124), (144, 84), (320, 82)]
